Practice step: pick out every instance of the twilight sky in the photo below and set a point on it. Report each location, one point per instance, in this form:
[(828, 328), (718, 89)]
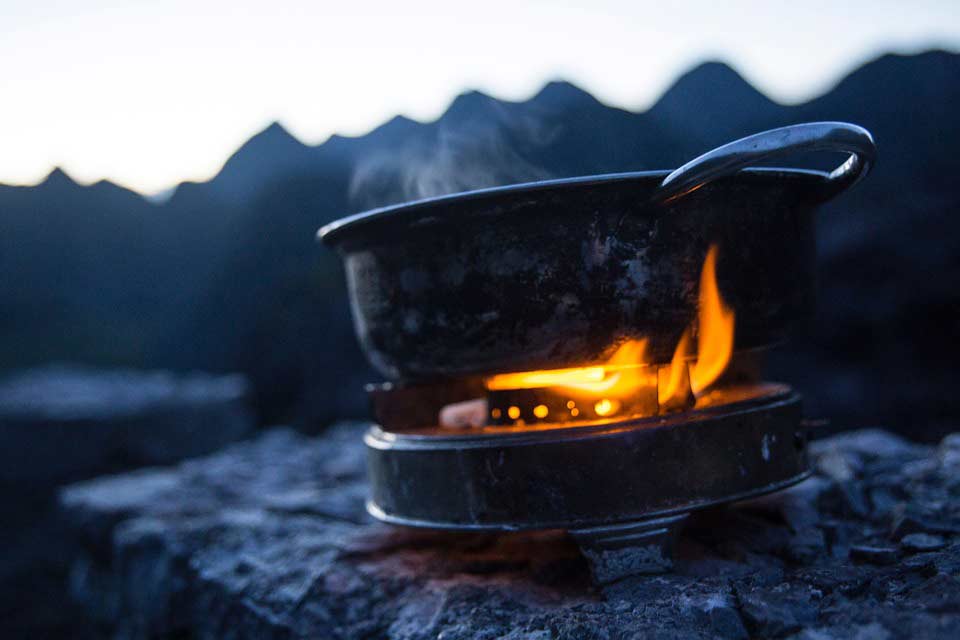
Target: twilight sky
[(151, 92)]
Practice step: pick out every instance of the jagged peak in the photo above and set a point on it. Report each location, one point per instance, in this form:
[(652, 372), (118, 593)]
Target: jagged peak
[(711, 68), (104, 183), (705, 79), (891, 62), (58, 173), (272, 144), (275, 133), (886, 58), (471, 97), (468, 104), (562, 93), (397, 123), (714, 84), (400, 120), (58, 176)]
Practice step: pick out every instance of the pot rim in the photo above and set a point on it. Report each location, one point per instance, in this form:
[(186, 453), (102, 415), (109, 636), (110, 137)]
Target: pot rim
[(334, 232)]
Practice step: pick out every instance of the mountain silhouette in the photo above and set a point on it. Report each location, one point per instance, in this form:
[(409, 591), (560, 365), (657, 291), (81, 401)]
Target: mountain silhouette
[(559, 95), (270, 154), (713, 88), (226, 275)]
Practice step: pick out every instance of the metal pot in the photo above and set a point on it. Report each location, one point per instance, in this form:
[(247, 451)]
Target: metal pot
[(557, 273)]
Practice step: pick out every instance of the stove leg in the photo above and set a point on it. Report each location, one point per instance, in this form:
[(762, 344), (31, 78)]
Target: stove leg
[(633, 548)]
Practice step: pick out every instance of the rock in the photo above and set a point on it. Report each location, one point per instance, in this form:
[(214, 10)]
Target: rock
[(806, 545), (873, 444), (837, 466), (63, 424), (922, 542), (939, 594), (871, 631), (726, 623), (910, 519), (883, 502), (112, 420), (770, 620), (923, 563), (873, 555), (269, 539), (847, 498), (948, 453)]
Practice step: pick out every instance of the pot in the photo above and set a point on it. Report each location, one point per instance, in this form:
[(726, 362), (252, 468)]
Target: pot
[(557, 273)]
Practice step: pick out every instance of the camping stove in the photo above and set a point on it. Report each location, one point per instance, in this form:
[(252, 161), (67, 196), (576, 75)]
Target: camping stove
[(621, 487), (585, 354)]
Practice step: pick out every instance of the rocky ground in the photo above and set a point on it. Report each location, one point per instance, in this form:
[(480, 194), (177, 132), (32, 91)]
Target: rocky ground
[(269, 539), (62, 424)]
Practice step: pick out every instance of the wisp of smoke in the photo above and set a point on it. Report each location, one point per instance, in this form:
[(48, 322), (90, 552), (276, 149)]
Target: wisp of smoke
[(450, 157)]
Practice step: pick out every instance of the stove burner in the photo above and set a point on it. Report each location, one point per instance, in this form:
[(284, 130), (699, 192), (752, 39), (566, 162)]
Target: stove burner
[(628, 394), (548, 405), (621, 487)]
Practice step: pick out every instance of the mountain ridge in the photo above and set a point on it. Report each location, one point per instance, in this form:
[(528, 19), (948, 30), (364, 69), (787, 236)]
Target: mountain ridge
[(705, 75)]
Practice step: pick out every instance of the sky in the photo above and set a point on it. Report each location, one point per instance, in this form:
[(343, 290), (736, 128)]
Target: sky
[(148, 93)]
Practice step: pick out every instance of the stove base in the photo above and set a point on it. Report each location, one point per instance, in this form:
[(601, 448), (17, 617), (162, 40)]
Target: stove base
[(614, 486)]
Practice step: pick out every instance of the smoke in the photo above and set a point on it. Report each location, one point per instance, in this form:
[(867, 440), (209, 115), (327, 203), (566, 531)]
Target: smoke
[(451, 155)]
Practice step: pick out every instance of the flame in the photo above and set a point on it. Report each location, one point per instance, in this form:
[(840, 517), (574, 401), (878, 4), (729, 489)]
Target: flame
[(579, 377), (674, 381), (715, 334), (618, 376), (628, 368)]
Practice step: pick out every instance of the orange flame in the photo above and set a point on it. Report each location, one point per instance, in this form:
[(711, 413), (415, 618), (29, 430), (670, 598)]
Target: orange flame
[(628, 370), (674, 379), (620, 375), (715, 334)]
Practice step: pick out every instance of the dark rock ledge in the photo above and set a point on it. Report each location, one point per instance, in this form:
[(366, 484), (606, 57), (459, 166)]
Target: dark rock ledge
[(269, 539), (60, 424)]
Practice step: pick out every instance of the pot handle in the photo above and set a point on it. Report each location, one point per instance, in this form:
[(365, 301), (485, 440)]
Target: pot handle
[(739, 154)]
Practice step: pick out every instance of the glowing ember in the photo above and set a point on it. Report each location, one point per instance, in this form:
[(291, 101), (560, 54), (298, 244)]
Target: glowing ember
[(605, 386), (606, 407), (461, 415)]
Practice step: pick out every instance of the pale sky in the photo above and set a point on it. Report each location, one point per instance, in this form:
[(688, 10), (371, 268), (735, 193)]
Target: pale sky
[(151, 92)]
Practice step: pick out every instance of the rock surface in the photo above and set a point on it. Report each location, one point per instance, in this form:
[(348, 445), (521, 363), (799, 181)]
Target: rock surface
[(62, 424), (112, 419), (269, 539)]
